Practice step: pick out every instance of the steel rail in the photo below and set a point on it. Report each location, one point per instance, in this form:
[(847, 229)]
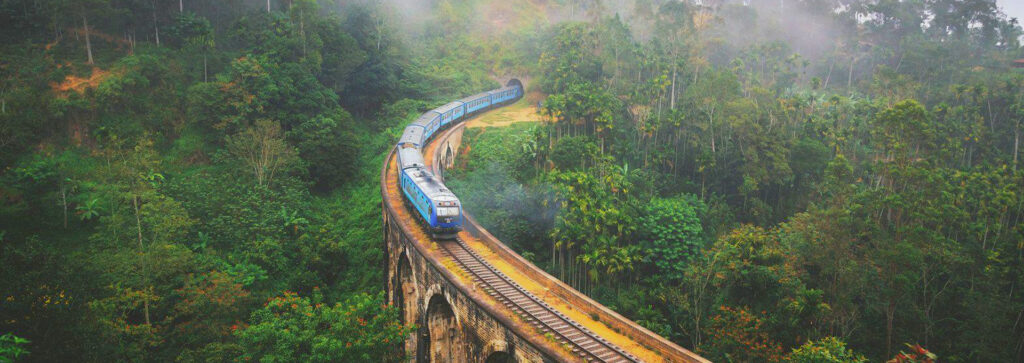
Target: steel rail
[(581, 340)]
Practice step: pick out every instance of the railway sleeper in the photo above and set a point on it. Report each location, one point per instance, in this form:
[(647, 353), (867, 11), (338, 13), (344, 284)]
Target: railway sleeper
[(609, 356), (575, 334), (548, 320), (560, 327), (534, 309)]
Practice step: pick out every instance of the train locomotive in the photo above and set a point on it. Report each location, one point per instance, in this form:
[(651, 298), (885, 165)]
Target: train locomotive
[(436, 206)]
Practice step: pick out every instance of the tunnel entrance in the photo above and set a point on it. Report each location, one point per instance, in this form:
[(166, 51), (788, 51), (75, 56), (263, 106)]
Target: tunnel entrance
[(444, 341)]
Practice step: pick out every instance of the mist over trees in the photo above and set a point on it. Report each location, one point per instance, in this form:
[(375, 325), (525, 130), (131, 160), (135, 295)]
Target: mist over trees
[(761, 180)]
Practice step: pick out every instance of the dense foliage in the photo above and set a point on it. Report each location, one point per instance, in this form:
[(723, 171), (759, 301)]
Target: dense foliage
[(196, 181), (776, 181), (755, 180), (295, 329)]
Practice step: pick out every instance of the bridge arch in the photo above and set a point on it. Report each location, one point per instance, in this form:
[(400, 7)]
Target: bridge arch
[(449, 156), (442, 338), (443, 301), (405, 294), (500, 357), (497, 351)]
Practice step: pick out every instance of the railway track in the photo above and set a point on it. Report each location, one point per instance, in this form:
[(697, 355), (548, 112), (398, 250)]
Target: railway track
[(583, 342)]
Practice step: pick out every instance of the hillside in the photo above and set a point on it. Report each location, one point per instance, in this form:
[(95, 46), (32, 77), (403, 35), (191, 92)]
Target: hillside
[(755, 181)]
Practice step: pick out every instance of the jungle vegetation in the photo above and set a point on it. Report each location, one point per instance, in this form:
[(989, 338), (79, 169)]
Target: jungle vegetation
[(197, 180), (764, 184)]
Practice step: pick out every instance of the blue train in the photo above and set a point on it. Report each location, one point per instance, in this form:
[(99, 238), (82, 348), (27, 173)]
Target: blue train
[(438, 208)]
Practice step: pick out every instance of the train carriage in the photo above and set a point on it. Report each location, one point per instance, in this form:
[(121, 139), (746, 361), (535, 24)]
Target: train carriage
[(450, 112), (477, 102), (431, 122), (412, 135), (409, 157), (438, 208), (505, 94)]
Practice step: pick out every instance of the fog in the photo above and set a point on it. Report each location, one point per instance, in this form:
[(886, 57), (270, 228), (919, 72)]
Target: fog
[(1012, 8), (819, 31)]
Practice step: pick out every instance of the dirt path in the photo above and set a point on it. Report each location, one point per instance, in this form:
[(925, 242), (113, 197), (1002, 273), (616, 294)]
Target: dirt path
[(523, 111)]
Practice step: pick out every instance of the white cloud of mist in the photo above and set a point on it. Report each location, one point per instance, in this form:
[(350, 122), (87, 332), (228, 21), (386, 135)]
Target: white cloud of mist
[(1012, 8)]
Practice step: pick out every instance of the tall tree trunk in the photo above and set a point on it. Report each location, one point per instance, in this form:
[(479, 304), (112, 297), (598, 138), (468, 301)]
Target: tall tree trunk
[(88, 42), (268, 6), (156, 27), (890, 312), (711, 128), (302, 30), (181, 6), (379, 28), (56, 29), (142, 257), (849, 80), (64, 203), (205, 78), (554, 256), (828, 77), (672, 103), (1016, 144), (563, 270)]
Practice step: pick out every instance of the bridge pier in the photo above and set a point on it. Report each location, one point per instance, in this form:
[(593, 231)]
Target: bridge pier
[(451, 327), (446, 341), (449, 150), (458, 321)]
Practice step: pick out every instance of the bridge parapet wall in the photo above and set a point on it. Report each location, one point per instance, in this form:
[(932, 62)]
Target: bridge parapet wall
[(670, 351), (455, 321)]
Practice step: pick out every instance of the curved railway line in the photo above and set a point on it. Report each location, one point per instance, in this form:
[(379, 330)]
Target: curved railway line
[(581, 340), (551, 317)]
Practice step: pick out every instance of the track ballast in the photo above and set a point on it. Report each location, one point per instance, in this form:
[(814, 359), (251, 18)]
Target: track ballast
[(583, 342)]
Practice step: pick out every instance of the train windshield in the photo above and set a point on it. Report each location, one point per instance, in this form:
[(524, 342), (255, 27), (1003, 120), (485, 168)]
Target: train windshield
[(447, 211)]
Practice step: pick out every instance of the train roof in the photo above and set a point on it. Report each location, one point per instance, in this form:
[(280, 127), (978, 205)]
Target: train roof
[(430, 186), (448, 107), (409, 157), (499, 90), (413, 134), (475, 97), (425, 118)]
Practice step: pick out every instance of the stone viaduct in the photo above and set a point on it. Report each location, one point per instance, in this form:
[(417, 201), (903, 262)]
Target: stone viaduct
[(457, 321)]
